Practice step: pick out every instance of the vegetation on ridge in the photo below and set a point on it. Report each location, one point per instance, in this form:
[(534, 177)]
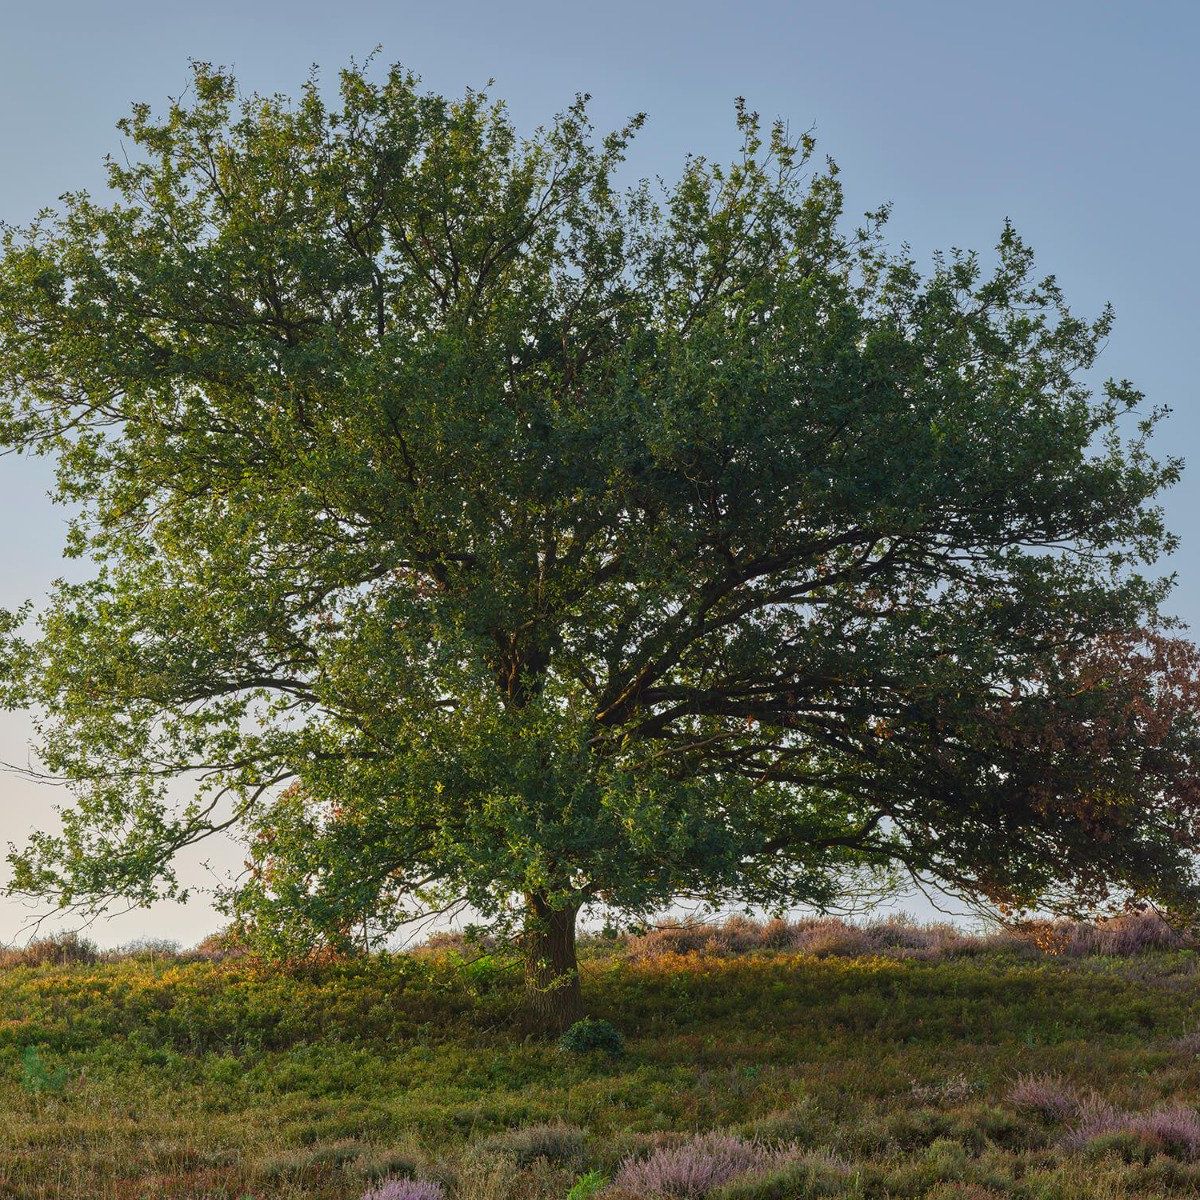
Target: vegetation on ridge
[(958, 1071)]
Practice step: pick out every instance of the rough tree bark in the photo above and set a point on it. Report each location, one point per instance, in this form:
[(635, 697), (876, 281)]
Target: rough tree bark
[(551, 968)]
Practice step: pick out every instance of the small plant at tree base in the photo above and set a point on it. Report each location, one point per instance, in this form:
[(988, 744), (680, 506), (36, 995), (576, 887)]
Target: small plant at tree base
[(587, 1186), (37, 1078), (590, 1035)]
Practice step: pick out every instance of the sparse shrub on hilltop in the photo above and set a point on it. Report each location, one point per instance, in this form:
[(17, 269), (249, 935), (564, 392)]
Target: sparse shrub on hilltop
[(59, 949)]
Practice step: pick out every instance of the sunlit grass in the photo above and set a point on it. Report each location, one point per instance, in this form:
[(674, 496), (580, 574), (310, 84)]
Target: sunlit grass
[(231, 1079)]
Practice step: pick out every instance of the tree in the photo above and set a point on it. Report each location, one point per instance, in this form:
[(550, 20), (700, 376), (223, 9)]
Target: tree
[(467, 527)]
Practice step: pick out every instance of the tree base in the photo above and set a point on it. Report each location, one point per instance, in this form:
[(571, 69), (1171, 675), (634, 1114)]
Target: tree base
[(553, 997)]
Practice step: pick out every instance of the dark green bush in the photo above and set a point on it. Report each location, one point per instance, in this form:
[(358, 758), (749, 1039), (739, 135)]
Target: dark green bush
[(590, 1035)]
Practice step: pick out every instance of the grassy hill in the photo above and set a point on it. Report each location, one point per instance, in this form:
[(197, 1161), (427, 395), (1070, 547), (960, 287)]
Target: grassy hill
[(839, 1064)]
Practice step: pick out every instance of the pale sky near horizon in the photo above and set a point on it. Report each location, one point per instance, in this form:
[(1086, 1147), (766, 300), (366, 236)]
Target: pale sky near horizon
[(1077, 120)]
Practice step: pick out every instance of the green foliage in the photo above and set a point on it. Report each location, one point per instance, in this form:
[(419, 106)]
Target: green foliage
[(587, 1186), (468, 526), (592, 1035), (801, 1180), (37, 1078)]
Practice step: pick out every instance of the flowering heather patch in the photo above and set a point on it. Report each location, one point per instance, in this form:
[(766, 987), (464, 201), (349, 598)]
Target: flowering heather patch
[(833, 937), (697, 1167), (1048, 1095), (899, 937), (1174, 1131), (1127, 934), (895, 937), (406, 1189)]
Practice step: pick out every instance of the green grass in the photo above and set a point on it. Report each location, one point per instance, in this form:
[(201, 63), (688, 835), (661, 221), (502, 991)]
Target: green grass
[(229, 1080)]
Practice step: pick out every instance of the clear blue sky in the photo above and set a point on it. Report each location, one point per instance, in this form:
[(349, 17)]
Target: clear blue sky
[(1076, 118)]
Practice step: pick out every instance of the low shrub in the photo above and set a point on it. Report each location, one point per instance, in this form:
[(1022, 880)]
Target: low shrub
[(1174, 1131), (37, 1078), (406, 1189), (792, 1125), (1189, 1043), (952, 1090), (554, 1143), (1049, 1096), (282, 1165), (382, 1164), (590, 1035), (334, 1154), (696, 1168), (148, 949), (1127, 934), (221, 946), (460, 941)]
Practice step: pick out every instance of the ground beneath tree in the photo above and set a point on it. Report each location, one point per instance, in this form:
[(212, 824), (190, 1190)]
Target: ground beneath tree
[(953, 1071)]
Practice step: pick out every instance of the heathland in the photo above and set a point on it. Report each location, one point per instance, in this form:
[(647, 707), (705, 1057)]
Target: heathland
[(777, 1061)]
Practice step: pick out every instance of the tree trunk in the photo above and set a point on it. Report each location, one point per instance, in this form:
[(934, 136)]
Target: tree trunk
[(551, 969)]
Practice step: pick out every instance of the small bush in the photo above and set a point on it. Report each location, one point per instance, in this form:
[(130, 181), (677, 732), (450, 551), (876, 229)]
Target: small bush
[(554, 1143), (284, 1164), (590, 1035), (788, 1125), (460, 941), (1127, 934), (37, 1078), (223, 945), (406, 1189), (697, 1167), (146, 949), (1188, 1044), (1173, 1131), (1049, 1096), (335, 1154)]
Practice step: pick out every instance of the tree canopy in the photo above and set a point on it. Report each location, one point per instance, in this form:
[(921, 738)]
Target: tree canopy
[(467, 525)]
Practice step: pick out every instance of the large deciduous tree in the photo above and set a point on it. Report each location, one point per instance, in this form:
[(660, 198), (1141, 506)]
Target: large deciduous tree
[(468, 527)]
